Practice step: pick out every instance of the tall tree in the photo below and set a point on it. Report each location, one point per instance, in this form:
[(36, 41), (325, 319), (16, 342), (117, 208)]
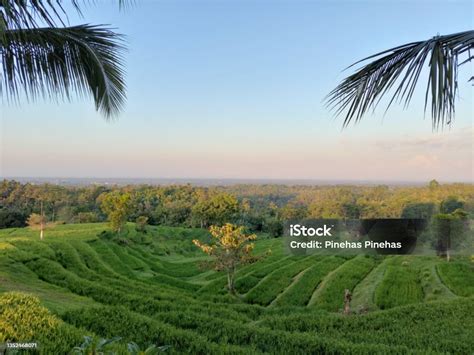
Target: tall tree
[(40, 56), (362, 91)]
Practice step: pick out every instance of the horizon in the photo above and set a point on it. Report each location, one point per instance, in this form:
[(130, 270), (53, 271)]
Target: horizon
[(160, 181)]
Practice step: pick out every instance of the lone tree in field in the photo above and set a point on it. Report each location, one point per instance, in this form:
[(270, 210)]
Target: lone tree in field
[(441, 56), (117, 206), (38, 221), (230, 249), (141, 223), (451, 231), (42, 57)]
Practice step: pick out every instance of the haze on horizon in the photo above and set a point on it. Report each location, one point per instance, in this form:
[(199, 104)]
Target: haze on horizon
[(235, 89)]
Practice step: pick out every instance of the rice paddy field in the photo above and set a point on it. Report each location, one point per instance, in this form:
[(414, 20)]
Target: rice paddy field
[(151, 288)]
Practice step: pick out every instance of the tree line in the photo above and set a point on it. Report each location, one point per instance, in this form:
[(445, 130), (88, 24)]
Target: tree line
[(260, 208)]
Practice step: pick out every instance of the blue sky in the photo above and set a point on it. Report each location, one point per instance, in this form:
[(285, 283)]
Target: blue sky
[(234, 89)]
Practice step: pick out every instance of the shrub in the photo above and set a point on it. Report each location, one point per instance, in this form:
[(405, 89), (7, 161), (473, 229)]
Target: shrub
[(23, 319), (12, 218)]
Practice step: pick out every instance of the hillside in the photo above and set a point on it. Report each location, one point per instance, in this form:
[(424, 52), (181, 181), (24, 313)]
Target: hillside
[(151, 289)]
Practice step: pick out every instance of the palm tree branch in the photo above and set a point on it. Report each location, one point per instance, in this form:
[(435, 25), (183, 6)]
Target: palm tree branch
[(35, 13), (53, 62), (401, 67)]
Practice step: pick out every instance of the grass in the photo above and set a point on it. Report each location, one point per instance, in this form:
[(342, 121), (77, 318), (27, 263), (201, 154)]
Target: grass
[(330, 293), (400, 285), (149, 288), (458, 276), (276, 282)]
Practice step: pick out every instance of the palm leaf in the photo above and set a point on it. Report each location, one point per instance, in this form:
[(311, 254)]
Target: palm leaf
[(35, 13), (400, 68), (55, 62)]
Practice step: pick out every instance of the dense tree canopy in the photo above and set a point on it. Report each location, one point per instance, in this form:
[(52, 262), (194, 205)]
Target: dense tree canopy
[(258, 207)]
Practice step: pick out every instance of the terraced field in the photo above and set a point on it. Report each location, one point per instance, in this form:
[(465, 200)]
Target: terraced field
[(150, 289)]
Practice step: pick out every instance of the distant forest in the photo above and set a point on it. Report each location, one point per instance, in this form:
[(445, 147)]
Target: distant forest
[(261, 208)]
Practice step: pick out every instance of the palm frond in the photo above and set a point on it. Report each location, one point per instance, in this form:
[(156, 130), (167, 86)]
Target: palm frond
[(400, 68), (36, 13), (55, 62)]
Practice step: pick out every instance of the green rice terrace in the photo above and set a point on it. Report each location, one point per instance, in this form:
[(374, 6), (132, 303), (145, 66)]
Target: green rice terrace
[(151, 288)]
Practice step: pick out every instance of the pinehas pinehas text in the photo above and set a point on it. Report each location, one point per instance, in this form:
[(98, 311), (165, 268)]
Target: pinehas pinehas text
[(297, 230)]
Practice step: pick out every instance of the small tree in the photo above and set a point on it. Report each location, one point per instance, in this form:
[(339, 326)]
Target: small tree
[(450, 231), (230, 249), (117, 206), (433, 185), (34, 220), (37, 221), (141, 223), (450, 205)]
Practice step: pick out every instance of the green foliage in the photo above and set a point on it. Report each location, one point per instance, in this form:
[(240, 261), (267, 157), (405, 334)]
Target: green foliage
[(400, 68), (22, 318), (250, 277), (300, 292), (433, 184), (458, 276), (451, 233), (94, 346), (87, 217), (141, 223), (134, 349), (106, 290), (274, 227), (450, 205), (273, 284), (10, 218), (258, 207), (330, 294), (117, 206), (418, 210), (216, 209), (435, 327), (143, 330), (41, 56), (400, 285)]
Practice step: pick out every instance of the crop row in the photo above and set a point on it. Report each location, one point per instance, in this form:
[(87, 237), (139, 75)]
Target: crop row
[(81, 259), (52, 272), (441, 327), (400, 285), (273, 284), (300, 292), (330, 293), (217, 335), (119, 321), (246, 283), (458, 276)]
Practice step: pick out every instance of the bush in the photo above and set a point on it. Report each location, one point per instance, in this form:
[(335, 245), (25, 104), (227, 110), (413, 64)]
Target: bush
[(12, 218), (23, 319), (141, 224), (87, 217), (34, 220)]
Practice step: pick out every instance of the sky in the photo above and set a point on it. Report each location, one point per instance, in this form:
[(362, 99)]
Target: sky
[(235, 89)]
